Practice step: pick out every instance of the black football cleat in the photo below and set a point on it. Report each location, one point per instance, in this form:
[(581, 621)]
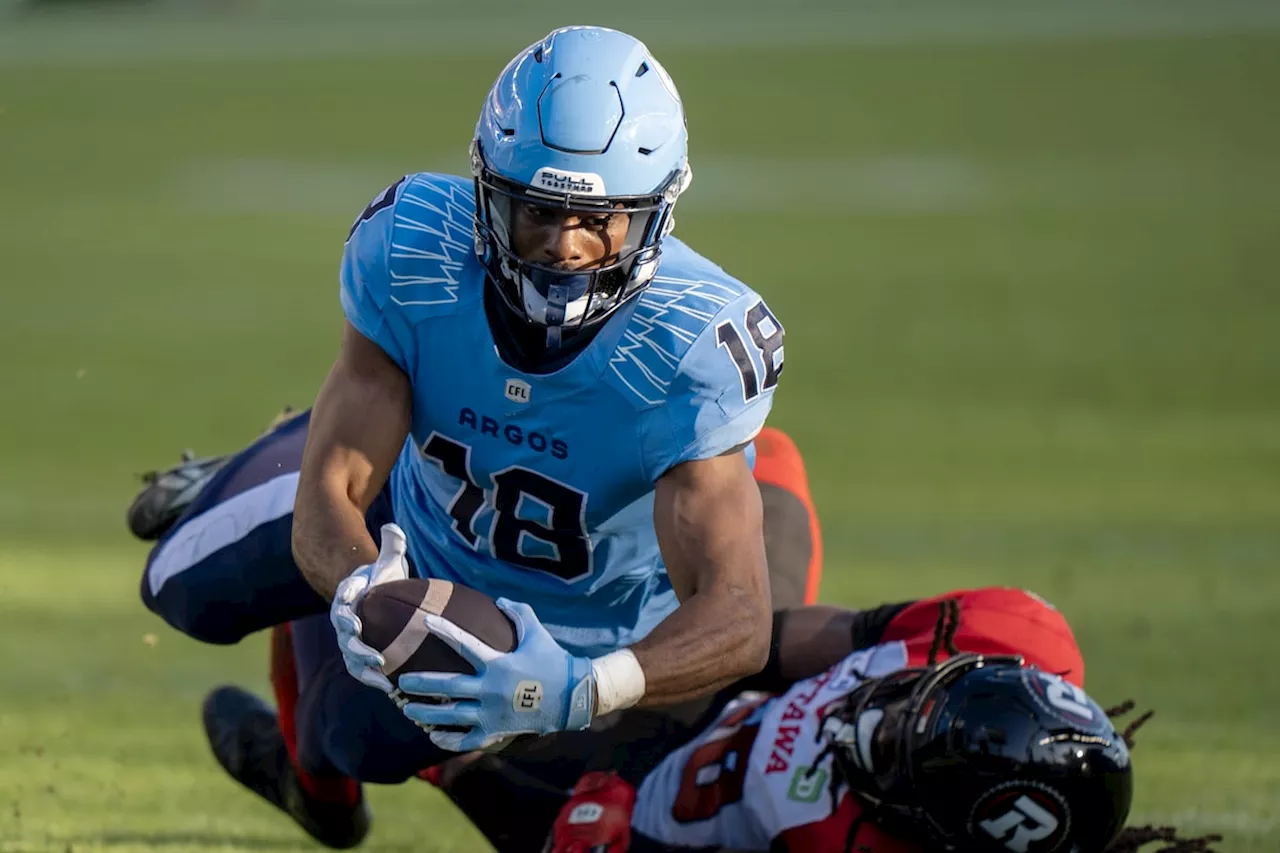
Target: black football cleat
[(166, 494), (247, 742)]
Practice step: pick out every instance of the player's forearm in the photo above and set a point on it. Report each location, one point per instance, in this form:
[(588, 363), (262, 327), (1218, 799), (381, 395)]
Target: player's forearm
[(709, 522), (330, 539), (358, 425), (715, 638)]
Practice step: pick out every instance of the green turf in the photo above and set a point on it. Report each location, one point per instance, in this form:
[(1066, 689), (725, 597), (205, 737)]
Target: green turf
[(1028, 276)]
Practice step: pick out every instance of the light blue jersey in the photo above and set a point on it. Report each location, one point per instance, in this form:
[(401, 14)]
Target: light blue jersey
[(539, 487)]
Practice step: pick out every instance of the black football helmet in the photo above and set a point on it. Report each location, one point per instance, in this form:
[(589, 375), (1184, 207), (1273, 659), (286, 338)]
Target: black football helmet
[(983, 754)]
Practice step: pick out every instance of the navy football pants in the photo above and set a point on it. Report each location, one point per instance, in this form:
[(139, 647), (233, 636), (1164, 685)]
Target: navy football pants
[(226, 570)]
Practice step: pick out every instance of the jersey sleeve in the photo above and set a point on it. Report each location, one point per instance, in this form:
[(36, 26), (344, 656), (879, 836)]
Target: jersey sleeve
[(723, 390), (366, 280)]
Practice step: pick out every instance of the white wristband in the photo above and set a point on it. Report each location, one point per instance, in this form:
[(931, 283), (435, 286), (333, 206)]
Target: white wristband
[(619, 681)]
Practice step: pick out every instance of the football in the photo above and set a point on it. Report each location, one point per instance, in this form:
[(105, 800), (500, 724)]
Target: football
[(393, 621)]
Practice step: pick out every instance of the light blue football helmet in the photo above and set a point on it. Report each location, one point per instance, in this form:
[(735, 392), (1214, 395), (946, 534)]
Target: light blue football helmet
[(585, 120)]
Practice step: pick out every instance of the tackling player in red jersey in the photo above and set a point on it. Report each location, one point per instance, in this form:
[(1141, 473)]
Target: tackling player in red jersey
[(896, 721), (955, 723)]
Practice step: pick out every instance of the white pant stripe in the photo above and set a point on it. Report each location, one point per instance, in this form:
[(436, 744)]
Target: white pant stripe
[(220, 526)]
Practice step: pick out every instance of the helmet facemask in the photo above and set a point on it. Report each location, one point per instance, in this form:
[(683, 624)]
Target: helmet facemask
[(565, 302)]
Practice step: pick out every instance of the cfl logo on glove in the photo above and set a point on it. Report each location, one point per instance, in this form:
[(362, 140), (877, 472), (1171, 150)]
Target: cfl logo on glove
[(1024, 816), (528, 696), (586, 813)]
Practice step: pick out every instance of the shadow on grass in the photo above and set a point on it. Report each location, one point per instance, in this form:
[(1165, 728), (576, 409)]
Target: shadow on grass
[(184, 839)]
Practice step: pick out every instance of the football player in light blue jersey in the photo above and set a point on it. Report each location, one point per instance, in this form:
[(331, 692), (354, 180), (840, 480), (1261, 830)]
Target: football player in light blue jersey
[(540, 394)]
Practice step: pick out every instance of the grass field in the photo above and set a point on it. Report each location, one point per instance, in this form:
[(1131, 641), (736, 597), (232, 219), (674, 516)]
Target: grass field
[(1026, 255)]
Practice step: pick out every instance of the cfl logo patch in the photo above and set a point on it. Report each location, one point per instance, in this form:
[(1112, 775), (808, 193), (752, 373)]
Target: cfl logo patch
[(528, 696), (517, 391), (586, 813)]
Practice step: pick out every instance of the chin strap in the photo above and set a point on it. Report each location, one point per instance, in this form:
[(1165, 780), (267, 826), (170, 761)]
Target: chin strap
[(557, 303)]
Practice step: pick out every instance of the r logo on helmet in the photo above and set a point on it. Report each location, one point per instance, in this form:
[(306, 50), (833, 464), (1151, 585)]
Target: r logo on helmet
[(1022, 817)]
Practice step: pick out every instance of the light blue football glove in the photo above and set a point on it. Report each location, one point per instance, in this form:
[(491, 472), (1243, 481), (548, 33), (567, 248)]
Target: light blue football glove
[(536, 689)]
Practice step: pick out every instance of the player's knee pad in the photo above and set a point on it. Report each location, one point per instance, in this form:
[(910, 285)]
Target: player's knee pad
[(362, 750), (353, 757), (221, 595), (189, 608), (348, 728)]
